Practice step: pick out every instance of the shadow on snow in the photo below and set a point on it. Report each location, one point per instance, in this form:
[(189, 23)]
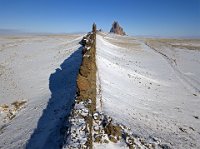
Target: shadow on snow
[(62, 85)]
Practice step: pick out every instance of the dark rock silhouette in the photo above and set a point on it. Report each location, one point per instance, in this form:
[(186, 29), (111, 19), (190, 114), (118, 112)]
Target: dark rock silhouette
[(94, 27), (116, 29)]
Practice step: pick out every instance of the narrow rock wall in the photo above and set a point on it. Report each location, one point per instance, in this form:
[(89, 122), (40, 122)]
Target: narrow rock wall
[(79, 129), (86, 81), (86, 126)]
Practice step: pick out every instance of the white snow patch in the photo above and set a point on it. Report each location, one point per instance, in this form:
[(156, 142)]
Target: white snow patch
[(26, 63), (141, 89)]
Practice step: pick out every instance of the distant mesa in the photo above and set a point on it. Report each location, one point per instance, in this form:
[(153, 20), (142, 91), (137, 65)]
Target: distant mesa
[(116, 29)]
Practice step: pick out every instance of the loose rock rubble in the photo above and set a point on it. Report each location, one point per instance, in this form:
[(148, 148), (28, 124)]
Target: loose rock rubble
[(106, 131), (78, 132)]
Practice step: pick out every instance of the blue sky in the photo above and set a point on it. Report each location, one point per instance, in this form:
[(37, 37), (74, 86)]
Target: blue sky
[(137, 17)]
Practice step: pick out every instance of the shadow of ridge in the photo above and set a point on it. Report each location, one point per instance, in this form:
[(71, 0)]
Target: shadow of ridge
[(62, 85)]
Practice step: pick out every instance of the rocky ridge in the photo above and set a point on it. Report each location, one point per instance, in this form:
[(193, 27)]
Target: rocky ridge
[(79, 126), (87, 126)]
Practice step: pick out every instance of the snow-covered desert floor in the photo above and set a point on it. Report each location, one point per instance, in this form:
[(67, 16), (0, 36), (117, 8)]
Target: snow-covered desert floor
[(152, 86), (37, 77)]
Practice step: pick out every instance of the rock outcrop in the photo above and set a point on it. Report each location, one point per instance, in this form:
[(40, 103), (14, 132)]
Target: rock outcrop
[(116, 29), (80, 122)]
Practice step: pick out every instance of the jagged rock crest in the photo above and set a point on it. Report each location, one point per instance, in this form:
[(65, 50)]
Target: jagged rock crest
[(117, 29)]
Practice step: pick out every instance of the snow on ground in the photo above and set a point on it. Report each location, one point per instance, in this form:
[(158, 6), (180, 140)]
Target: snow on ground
[(153, 91), (37, 69)]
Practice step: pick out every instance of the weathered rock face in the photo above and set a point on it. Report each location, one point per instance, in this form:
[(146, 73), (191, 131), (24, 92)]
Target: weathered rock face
[(79, 128), (117, 29)]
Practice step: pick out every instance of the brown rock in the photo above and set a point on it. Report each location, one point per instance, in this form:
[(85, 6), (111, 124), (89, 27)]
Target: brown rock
[(117, 29), (82, 83)]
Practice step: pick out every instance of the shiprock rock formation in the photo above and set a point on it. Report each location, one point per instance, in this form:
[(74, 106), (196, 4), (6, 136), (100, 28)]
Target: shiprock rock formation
[(117, 29)]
